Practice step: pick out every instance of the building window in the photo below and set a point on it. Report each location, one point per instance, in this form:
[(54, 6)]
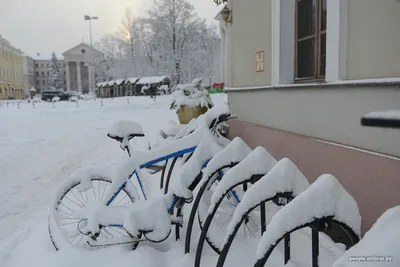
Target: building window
[(37, 82), (310, 39), (37, 73), (42, 73), (37, 65), (43, 82)]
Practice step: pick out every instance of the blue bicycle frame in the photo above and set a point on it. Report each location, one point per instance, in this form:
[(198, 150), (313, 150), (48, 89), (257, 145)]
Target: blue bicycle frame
[(155, 161)]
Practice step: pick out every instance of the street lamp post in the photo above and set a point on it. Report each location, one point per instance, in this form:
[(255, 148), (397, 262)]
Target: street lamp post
[(91, 73), (89, 18)]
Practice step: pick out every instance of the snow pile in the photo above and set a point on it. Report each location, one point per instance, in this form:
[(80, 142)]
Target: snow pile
[(191, 95), (55, 99), (283, 177), (325, 197), (236, 151), (172, 128), (206, 150), (123, 129), (259, 161), (387, 115), (88, 96), (382, 240), (150, 215)]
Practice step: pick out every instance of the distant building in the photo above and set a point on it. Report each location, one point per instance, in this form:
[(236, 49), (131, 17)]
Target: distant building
[(11, 71), (42, 73), (78, 66), (29, 74)]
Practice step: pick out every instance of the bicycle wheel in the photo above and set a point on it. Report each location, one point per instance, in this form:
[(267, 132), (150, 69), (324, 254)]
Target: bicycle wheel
[(66, 228), (220, 220)]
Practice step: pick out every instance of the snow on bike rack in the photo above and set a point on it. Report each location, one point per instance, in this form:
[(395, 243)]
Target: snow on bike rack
[(382, 240), (283, 177), (235, 152), (206, 150), (325, 197), (259, 161)]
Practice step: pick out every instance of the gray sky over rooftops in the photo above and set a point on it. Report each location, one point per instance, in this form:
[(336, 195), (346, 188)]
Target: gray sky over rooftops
[(44, 26)]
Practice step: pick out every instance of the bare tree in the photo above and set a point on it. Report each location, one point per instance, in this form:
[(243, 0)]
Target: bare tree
[(127, 33), (175, 19)]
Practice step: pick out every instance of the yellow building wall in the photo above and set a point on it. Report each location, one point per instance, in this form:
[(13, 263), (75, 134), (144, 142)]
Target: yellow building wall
[(11, 74)]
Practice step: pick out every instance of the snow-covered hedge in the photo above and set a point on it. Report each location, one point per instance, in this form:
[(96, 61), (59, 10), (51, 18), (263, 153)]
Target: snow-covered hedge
[(192, 95)]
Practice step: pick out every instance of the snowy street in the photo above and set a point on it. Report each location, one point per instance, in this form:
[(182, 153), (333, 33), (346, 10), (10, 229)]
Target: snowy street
[(40, 147)]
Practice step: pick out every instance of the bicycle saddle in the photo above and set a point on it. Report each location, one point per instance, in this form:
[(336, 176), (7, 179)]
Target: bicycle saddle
[(121, 129)]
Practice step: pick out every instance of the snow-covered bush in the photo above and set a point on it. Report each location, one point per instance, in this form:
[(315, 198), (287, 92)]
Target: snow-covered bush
[(192, 95), (88, 96), (55, 99), (163, 89)]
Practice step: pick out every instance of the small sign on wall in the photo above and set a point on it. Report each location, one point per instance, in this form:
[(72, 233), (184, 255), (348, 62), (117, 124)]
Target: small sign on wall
[(260, 61)]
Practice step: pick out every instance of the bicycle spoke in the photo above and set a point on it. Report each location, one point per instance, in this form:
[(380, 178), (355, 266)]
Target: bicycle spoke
[(121, 200), (93, 189), (83, 199), (104, 191), (80, 240), (70, 215), (67, 207), (76, 197), (73, 201), (99, 190), (68, 223)]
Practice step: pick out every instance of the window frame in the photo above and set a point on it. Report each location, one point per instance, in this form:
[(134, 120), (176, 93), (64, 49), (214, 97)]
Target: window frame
[(317, 77)]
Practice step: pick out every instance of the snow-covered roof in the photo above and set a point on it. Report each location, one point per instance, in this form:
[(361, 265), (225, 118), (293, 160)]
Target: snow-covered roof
[(151, 80), (132, 80), (119, 82)]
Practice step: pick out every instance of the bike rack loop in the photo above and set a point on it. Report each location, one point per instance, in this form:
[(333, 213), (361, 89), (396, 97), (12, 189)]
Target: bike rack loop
[(275, 199), (196, 205), (318, 225), (207, 223)]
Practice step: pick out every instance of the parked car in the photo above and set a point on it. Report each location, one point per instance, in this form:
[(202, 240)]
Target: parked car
[(73, 95), (48, 95)]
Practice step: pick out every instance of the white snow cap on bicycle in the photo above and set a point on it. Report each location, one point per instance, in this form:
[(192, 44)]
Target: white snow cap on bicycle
[(125, 129)]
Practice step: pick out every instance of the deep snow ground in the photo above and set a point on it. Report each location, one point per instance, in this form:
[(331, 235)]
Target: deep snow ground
[(41, 147)]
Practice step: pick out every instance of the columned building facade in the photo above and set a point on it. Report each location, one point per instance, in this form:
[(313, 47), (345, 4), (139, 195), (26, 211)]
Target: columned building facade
[(80, 67)]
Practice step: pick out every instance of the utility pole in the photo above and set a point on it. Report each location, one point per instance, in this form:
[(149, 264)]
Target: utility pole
[(89, 18), (91, 74)]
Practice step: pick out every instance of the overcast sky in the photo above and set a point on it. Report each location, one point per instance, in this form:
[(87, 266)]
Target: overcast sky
[(44, 26)]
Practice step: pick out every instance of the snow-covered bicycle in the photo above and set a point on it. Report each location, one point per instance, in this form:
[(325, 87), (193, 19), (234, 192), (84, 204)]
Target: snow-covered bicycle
[(91, 210)]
